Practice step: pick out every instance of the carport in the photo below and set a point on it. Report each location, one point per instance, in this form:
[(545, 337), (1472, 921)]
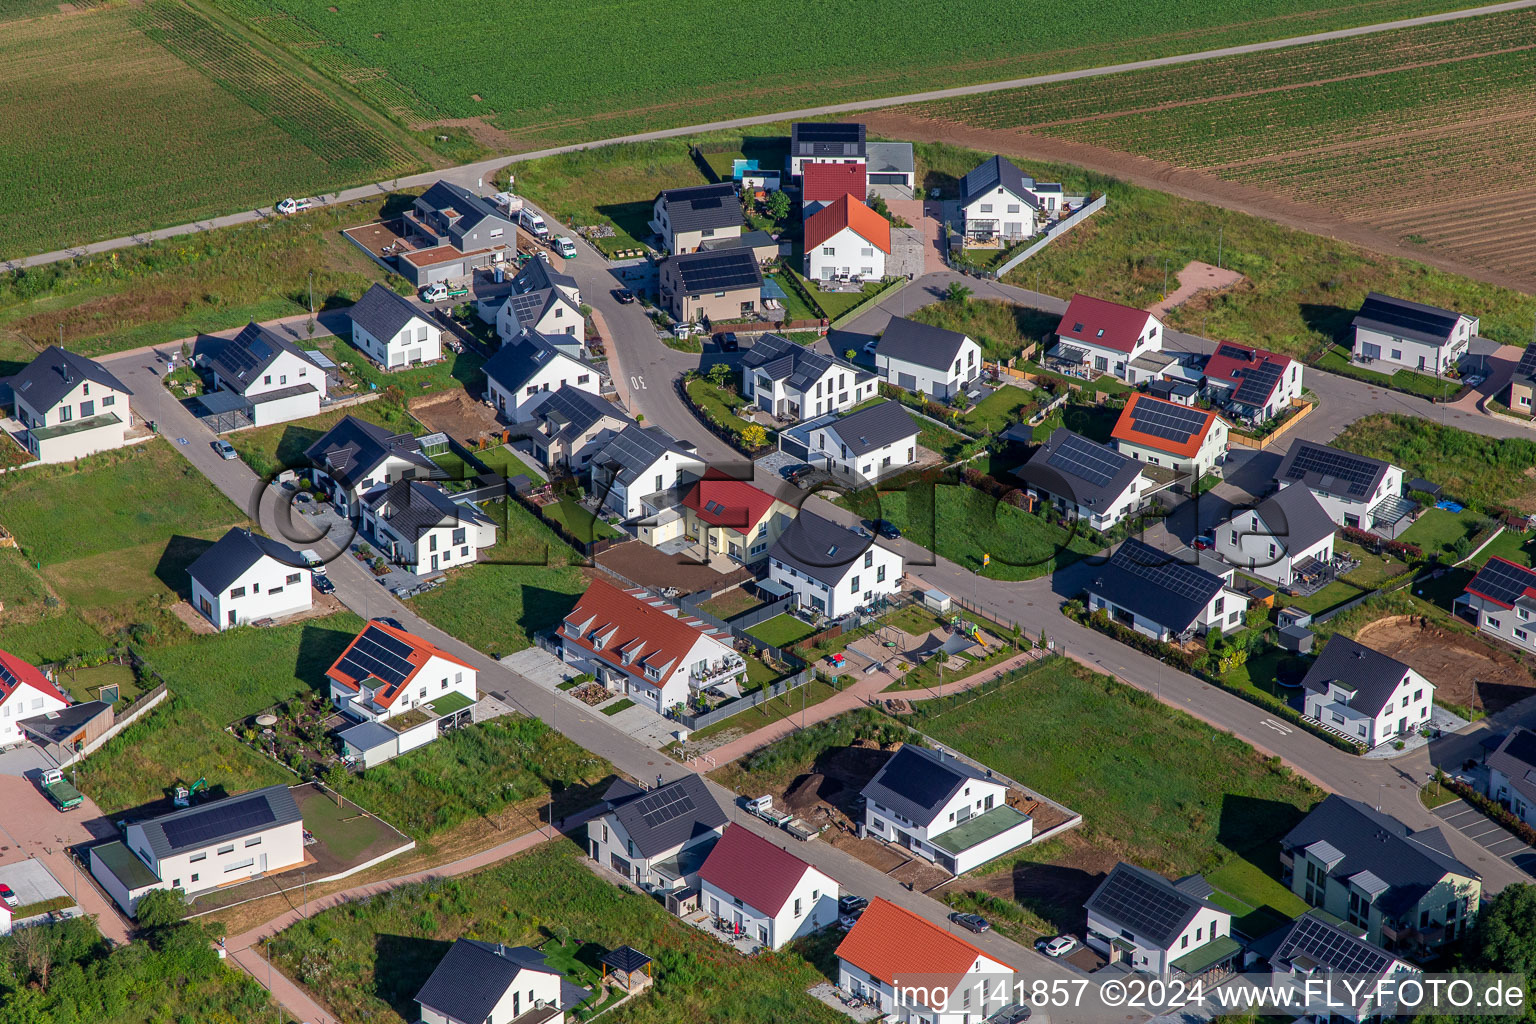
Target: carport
[(224, 411)]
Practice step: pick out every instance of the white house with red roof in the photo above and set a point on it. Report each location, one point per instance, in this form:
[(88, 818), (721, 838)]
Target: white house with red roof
[(764, 892), (846, 239), (1105, 337), (1168, 434), (24, 693), (822, 184), (1252, 383), (916, 971), (733, 518), (1501, 600), (647, 649), (386, 672)]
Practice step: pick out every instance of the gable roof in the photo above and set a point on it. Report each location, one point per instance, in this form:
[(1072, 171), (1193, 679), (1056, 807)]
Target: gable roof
[(472, 209), (473, 976), (1251, 373), (522, 356), (702, 206), (1313, 942), (923, 344), (1103, 323), (1373, 676), (1294, 517), (634, 630), (1505, 583), (530, 307), (14, 672), (826, 139), (1404, 319), (995, 172), (1149, 905), (1088, 473), (570, 411), (847, 212), (1526, 369), (354, 448), (720, 500), (715, 270), (538, 274), (819, 548), (1331, 470), (234, 554), (1179, 430), (1516, 758), (823, 182), (387, 658), (384, 314), (636, 449), (54, 374), (412, 507), (664, 818), (917, 782), (799, 366), (874, 427), (1155, 585), (240, 360), (748, 867), (193, 828), (892, 943)]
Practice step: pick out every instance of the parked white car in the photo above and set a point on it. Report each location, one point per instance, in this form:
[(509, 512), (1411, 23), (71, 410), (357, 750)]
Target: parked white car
[(1060, 946), (288, 206)]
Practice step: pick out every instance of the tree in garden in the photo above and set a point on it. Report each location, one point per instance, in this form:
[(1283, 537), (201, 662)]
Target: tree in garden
[(778, 205), (754, 436), (957, 293), (161, 908), (719, 374)]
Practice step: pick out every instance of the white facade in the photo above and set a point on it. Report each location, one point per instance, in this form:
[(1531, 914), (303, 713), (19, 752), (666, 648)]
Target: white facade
[(1410, 707), (1504, 791), (836, 390), (875, 573), (1113, 361), (845, 254), (557, 317), (556, 372), (419, 341), (1250, 544), (1348, 511), (526, 990), (349, 500), (269, 589), (982, 991), (1154, 957), (669, 471), (287, 371), (811, 906), (444, 546), (940, 383), (1212, 447), (93, 417), (1126, 504), (436, 678), (224, 862), (1374, 345), (1515, 625), (611, 846), (25, 701), (976, 798), (829, 449), (1000, 214), (656, 689), (1223, 612)]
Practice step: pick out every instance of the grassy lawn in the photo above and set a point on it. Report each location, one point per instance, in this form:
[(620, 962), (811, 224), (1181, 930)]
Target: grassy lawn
[(454, 370), (1438, 530), (1470, 467), (52, 638), (1511, 545), (26, 593), (782, 631), (833, 304), (1002, 329), (1374, 569), (720, 405), (619, 705), (994, 413), (85, 684), (939, 439), (1336, 360), (1334, 593), (1259, 902), (578, 521), (268, 450), (731, 604), (1095, 422), (785, 705), (1261, 673)]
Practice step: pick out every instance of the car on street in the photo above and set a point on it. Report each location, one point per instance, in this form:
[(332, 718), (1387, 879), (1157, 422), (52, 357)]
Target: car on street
[(624, 295), (1061, 945), (565, 247), (225, 449), (1013, 1013), (287, 206), (883, 527), (7, 896), (323, 583), (728, 342), (971, 922)]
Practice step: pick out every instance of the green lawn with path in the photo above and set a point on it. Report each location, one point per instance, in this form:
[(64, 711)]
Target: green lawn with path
[(1437, 531)]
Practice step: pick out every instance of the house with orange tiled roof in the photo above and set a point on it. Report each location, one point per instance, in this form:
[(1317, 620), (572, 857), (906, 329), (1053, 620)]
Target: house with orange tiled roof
[(386, 672), (846, 239), (24, 693), (733, 518), (915, 970), (1161, 433), (638, 645), (762, 891)]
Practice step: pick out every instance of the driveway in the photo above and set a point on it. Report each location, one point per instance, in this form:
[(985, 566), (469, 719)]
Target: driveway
[(1473, 824)]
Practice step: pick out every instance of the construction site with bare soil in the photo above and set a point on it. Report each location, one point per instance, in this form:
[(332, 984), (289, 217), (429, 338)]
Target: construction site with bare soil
[(1467, 670)]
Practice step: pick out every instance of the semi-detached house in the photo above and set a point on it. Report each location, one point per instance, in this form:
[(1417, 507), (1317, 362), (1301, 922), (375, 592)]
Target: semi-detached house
[(1140, 919), (794, 382), (927, 360), (657, 838), (419, 528), (70, 406), (1366, 695), (355, 456), (830, 569), (643, 472), (572, 425), (392, 332), (277, 380), (527, 369), (764, 892), (245, 577)]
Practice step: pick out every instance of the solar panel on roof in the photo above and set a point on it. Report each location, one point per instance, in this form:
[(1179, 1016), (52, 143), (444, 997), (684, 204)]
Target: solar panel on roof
[(1142, 905), (1186, 581), (7, 677), (1356, 472), (1168, 421), (715, 272), (1086, 460), (664, 805), (918, 779), (221, 819), (1332, 948), (1258, 384), (1233, 352), (1523, 747), (1502, 581), (1527, 367), (376, 653)]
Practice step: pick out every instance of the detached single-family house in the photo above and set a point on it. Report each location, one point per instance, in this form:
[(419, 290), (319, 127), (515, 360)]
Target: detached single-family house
[(926, 359), (538, 275), (865, 446), (1186, 440), (733, 518), (1316, 948), (1139, 918), (1366, 695), (527, 369), (943, 809), (1522, 384), (1162, 596), (1512, 773), (416, 526), (1403, 887), (455, 231), (70, 406), (846, 240), (715, 284), (830, 568), (203, 847), (687, 217), (392, 332), (1501, 600), (1286, 533), (545, 311), (246, 577), (1355, 490), (276, 378), (821, 184), (572, 425), (386, 672), (657, 838), (794, 382), (1410, 334), (1085, 480), (643, 647), (1000, 203), (917, 972), (490, 983), (24, 693), (765, 893), (643, 471), (355, 456), (1103, 337), (825, 142), (1252, 384)]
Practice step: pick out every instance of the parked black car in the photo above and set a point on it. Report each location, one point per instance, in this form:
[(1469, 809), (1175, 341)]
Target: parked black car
[(323, 583), (728, 342), (624, 295)]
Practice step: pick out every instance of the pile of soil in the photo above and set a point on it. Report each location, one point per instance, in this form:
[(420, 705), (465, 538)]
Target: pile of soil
[(1465, 669)]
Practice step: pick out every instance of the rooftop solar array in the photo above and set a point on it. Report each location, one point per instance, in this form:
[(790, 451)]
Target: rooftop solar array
[(1082, 458), (709, 271), (227, 817), (376, 653), (1332, 948), (1168, 573), (7, 677), (1233, 352), (1170, 422), (1258, 384), (1356, 472), (1503, 581), (1527, 367), (1131, 899), (664, 805)]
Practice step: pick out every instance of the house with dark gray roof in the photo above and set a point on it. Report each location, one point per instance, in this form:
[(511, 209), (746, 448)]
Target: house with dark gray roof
[(1000, 203), (527, 369), (1085, 479), (685, 218), (795, 382), (1410, 334), (644, 471), (70, 406), (929, 360), (1287, 536), (943, 809), (1315, 945), (277, 380), (891, 165), (537, 275), (1355, 490), (1512, 773), (355, 456), (712, 284), (245, 577), (548, 311), (1501, 601), (572, 425), (830, 569), (479, 982), (825, 142), (1164, 596), (657, 838), (1365, 695), (1140, 919), (1402, 887), (863, 447), (452, 231), (392, 331), (414, 525)]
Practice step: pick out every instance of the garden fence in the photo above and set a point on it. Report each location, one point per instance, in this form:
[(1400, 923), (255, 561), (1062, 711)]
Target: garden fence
[(1052, 232), (747, 702)]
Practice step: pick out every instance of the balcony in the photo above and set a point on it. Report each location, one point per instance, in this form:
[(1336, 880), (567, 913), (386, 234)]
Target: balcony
[(724, 670)]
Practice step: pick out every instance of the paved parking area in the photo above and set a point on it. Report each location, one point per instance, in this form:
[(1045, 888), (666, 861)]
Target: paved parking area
[(31, 882), (25, 760), (1471, 823), (540, 666)]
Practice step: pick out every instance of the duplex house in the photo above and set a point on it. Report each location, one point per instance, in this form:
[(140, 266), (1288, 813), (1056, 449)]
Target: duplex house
[(763, 891), (547, 311), (1103, 337), (643, 647), (24, 693), (527, 369), (926, 359), (943, 809), (355, 456), (733, 518), (1186, 440), (825, 142), (1163, 597), (1316, 946), (1501, 600), (831, 569), (572, 425), (1139, 918), (687, 217), (794, 382), (1286, 533), (1085, 480), (276, 378), (999, 202), (386, 672), (1252, 384), (490, 983), (417, 527), (392, 332), (70, 406), (462, 231), (865, 446), (1365, 694), (642, 471), (714, 284), (246, 577), (203, 847), (1410, 334), (1355, 490), (917, 972), (823, 183), (1512, 773), (846, 239), (657, 838), (1403, 887)]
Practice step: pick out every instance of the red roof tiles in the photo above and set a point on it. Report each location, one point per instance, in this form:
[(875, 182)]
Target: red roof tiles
[(1104, 323), (892, 943), (753, 870), (1125, 429), (1232, 362), (721, 501), (24, 672), (822, 183), (636, 621), (848, 212), (422, 651)]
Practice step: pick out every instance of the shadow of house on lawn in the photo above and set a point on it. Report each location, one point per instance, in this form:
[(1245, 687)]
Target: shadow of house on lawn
[(544, 609), (402, 964), (1330, 321), (1056, 892), (319, 647), (1252, 827), (180, 552)]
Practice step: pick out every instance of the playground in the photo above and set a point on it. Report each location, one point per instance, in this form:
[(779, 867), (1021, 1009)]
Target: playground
[(919, 648)]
